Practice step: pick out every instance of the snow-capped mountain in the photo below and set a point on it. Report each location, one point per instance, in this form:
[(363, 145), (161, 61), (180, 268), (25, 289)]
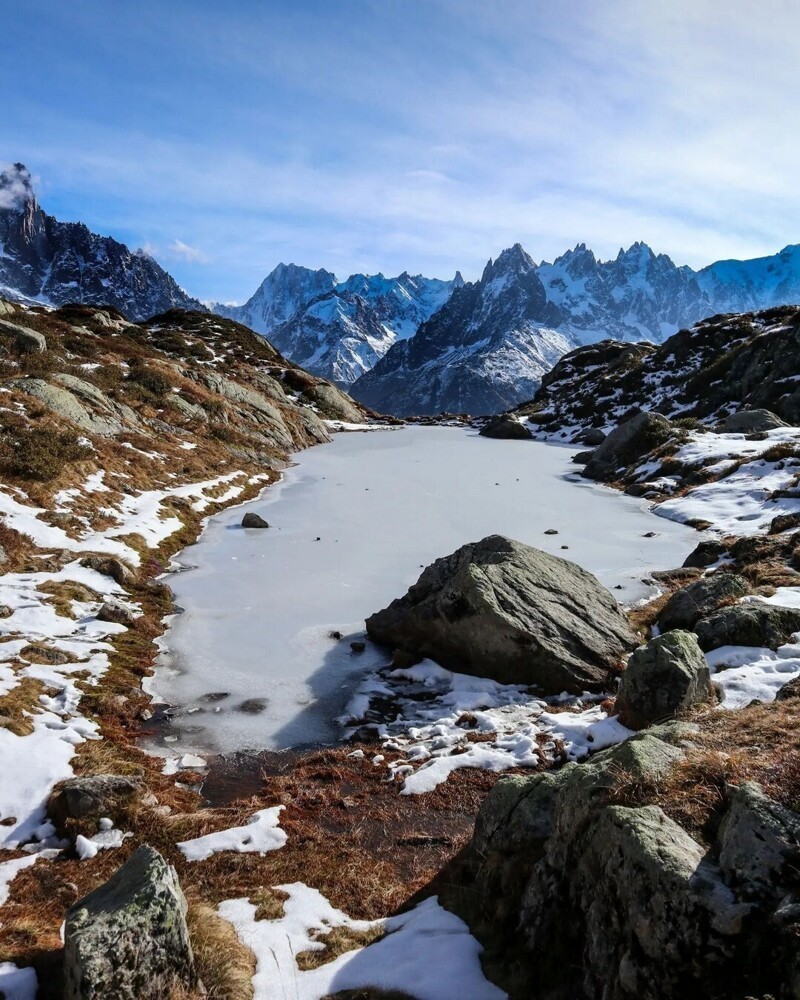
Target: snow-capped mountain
[(50, 262), (743, 285), (491, 341), (339, 329), (577, 299)]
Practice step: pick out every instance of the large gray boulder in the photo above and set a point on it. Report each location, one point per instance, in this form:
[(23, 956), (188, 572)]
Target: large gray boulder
[(505, 427), (753, 623), (128, 939), (66, 405), (687, 606), (664, 678), (627, 443), (752, 422), (504, 610)]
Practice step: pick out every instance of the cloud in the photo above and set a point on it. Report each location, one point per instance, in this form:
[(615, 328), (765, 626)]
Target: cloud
[(15, 186), (182, 251)]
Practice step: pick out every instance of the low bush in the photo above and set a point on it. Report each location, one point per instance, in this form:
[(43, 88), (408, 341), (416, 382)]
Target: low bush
[(41, 454)]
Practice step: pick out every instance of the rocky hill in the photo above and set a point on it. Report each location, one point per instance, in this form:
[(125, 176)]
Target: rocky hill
[(721, 365), (54, 263), (339, 329)]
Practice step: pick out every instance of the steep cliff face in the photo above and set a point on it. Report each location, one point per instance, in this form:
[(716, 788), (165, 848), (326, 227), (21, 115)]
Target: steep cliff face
[(44, 260)]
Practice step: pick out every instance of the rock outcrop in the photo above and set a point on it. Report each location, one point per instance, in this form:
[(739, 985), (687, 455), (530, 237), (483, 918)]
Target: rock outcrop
[(631, 440), (664, 678), (128, 939), (687, 606), (752, 422), (752, 623), (507, 427), (580, 888), (500, 609)]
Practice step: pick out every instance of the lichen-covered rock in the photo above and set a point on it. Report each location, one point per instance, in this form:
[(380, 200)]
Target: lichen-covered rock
[(506, 427), (66, 405), (628, 442), (504, 610), (688, 606), (789, 690), (752, 422), (757, 840), (663, 678), (92, 795), (752, 623), (580, 886), (128, 939)]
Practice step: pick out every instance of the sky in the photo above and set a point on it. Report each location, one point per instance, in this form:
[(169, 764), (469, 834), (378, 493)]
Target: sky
[(419, 135)]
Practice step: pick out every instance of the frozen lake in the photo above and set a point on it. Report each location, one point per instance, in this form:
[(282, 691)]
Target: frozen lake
[(250, 662)]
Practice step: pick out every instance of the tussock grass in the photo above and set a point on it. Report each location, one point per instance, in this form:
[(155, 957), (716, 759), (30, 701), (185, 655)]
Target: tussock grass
[(337, 941), (225, 965), (19, 705)]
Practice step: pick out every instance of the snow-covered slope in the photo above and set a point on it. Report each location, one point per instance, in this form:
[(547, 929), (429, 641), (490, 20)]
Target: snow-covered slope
[(339, 329), (485, 349), (741, 285), (46, 261)]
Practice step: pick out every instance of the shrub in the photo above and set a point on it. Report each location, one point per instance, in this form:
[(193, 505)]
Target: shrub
[(41, 454)]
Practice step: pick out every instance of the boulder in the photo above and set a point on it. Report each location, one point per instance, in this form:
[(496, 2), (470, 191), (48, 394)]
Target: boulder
[(128, 939), (628, 443), (504, 610), (705, 553), (663, 678), (505, 426), (251, 520), (26, 341), (752, 422), (752, 623), (789, 690), (3, 556), (94, 795), (593, 437), (115, 612), (698, 599), (67, 406), (110, 566), (783, 522), (757, 839)]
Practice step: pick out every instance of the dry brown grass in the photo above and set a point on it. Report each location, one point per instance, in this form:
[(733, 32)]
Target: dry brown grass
[(20, 704), (337, 941), (225, 965), (269, 903)]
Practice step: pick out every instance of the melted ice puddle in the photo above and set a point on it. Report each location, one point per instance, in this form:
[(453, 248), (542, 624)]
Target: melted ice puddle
[(250, 662)]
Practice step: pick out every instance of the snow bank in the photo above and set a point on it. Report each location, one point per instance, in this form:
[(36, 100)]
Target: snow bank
[(260, 835), (427, 952)]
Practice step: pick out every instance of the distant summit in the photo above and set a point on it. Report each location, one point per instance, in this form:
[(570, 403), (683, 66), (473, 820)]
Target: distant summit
[(339, 329), (54, 263)]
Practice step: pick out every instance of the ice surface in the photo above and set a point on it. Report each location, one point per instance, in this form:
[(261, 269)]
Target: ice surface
[(353, 523)]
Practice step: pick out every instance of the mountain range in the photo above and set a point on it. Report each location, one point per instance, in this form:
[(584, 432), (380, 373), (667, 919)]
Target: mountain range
[(339, 328), (408, 344), (488, 347), (54, 263)]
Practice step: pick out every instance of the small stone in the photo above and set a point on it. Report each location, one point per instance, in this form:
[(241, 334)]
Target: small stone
[(650, 534), (358, 647), (551, 531), (116, 613), (336, 634), (252, 706), (251, 520)]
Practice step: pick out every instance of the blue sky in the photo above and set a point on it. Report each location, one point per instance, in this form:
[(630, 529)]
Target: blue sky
[(407, 134)]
